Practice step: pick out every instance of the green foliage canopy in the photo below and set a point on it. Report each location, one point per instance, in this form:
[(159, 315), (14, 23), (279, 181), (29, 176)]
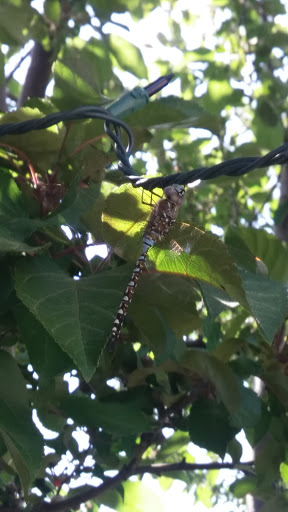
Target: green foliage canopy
[(204, 323)]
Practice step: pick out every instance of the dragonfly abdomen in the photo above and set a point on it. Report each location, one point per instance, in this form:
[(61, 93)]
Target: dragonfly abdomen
[(148, 242)]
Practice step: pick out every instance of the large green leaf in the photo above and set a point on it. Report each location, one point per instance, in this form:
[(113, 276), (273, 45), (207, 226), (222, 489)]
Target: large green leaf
[(14, 22), (170, 112), (76, 205), (125, 213), (267, 301), (127, 56), (46, 356), (250, 411), (277, 381), (12, 233), (113, 417), (209, 426), (267, 124), (219, 95), (164, 302), (11, 201), (239, 250), (203, 364), (269, 249), (83, 74), (40, 146), (218, 373), (202, 256), (139, 498), (243, 486), (78, 314), (15, 226), (215, 300), (268, 460), (19, 433)]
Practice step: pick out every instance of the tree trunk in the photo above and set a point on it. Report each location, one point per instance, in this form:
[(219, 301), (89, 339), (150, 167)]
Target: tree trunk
[(282, 229), (38, 74), (3, 105)]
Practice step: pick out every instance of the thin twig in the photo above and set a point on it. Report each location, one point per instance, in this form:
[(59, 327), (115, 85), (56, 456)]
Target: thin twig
[(8, 77), (161, 469)]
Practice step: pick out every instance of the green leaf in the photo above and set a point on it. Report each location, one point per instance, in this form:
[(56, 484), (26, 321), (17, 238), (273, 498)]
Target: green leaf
[(218, 373), (212, 331), (243, 486), (204, 494), (284, 472), (219, 95), (14, 22), (11, 200), (205, 258), (269, 249), (170, 112), (161, 303), (52, 10), (139, 498), (277, 382), (175, 446), (209, 426), (215, 300), (267, 300), (268, 461), (15, 226), (40, 146), (234, 449), (239, 250), (83, 74), (250, 411), (19, 433), (76, 313), (76, 205), (124, 218), (113, 417), (267, 125), (12, 233), (46, 357), (127, 56)]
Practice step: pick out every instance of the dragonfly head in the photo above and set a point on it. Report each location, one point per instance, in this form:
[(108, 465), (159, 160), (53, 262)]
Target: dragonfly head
[(175, 194)]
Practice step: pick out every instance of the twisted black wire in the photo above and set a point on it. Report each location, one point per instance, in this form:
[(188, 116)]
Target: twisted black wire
[(233, 167), (112, 128), (113, 125)]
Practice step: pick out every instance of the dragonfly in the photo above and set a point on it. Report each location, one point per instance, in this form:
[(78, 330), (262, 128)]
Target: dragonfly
[(162, 218), (199, 255)]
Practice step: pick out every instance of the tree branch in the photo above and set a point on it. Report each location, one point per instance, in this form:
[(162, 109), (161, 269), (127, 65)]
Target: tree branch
[(129, 470), (161, 469)]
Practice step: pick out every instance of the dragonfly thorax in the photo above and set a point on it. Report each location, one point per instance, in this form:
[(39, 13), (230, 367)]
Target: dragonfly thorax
[(164, 213)]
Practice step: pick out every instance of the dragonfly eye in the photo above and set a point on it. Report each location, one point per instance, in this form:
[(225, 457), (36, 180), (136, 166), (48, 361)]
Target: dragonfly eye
[(175, 194)]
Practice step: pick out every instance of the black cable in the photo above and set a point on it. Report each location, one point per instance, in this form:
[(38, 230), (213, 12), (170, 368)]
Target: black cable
[(113, 125), (85, 112), (234, 167)]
